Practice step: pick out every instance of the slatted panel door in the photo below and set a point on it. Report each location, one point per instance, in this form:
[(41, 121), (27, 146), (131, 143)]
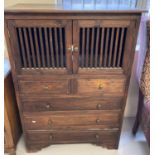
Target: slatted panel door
[(101, 45), (40, 46)]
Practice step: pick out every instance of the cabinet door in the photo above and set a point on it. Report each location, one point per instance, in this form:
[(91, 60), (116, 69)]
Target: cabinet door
[(101, 45), (40, 46)]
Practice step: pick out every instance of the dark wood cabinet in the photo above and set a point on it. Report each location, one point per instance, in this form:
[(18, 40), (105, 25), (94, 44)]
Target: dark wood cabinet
[(71, 72)]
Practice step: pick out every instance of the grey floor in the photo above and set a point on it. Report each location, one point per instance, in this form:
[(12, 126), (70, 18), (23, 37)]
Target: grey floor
[(129, 145)]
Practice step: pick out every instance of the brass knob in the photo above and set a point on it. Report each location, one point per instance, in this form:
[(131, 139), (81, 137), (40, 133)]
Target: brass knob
[(100, 86), (34, 122), (99, 106), (98, 121), (50, 136), (49, 123), (76, 49), (48, 106), (97, 136)]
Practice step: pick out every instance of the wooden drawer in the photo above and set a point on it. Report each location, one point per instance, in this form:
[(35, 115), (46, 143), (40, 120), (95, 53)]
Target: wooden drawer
[(74, 103), (101, 87), (54, 87), (57, 120), (57, 137)]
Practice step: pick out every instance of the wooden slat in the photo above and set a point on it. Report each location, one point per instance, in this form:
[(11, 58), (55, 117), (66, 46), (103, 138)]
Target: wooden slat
[(120, 47), (97, 46), (87, 48), (42, 47), (116, 46), (47, 47), (92, 47), (61, 47), (106, 48), (22, 47), (83, 47), (102, 46), (56, 46), (32, 47), (27, 49), (37, 47), (52, 48), (111, 47)]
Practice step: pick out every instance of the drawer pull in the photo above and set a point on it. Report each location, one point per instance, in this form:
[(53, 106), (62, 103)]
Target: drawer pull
[(100, 86), (76, 49), (46, 87), (98, 121), (97, 136), (50, 123), (99, 106), (48, 106), (34, 122)]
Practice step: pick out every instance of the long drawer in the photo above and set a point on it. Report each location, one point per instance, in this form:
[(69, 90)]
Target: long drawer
[(57, 137), (57, 120), (75, 103)]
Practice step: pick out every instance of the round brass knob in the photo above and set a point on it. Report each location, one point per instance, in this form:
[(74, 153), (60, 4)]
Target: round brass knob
[(100, 86), (48, 106), (46, 87), (99, 106), (69, 49), (98, 121)]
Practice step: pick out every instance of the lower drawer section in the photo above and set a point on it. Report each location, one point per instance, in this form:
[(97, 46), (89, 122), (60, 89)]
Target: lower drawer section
[(65, 119), (58, 137)]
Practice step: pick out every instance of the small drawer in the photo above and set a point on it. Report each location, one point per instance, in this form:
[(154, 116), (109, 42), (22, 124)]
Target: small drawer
[(74, 103), (58, 137), (101, 87), (56, 120), (44, 88)]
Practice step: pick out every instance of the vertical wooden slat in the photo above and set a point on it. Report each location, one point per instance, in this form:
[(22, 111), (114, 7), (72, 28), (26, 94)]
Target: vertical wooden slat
[(52, 48), (87, 48), (111, 47), (106, 48), (22, 47), (102, 46), (42, 47), (47, 48), (92, 48), (27, 49), (83, 45), (97, 46), (32, 48), (116, 46), (61, 47), (56, 46), (37, 47), (120, 48)]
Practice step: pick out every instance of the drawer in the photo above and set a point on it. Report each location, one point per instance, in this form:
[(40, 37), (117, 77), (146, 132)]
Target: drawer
[(101, 87), (58, 137), (43, 88), (74, 103), (57, 120)]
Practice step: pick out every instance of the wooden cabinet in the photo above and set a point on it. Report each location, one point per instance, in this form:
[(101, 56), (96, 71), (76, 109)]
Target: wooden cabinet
[(71, 72)]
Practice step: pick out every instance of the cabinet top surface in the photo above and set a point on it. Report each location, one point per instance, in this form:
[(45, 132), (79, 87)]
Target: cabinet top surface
[(46, 8)]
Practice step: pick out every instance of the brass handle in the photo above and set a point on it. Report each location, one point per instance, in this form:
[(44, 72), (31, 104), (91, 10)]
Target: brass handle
[(49, 123), (34, 122), (46, 87), (50, 136), (97, 136), (48, 106), (99, 106), (98, 121), (76, 49), (70, 49), (100, 86)]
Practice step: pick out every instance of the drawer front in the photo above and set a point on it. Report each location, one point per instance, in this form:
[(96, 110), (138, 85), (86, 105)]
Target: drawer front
[(62, 104), (98, 136), (44, 88), (57, 120), (101, 87)]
